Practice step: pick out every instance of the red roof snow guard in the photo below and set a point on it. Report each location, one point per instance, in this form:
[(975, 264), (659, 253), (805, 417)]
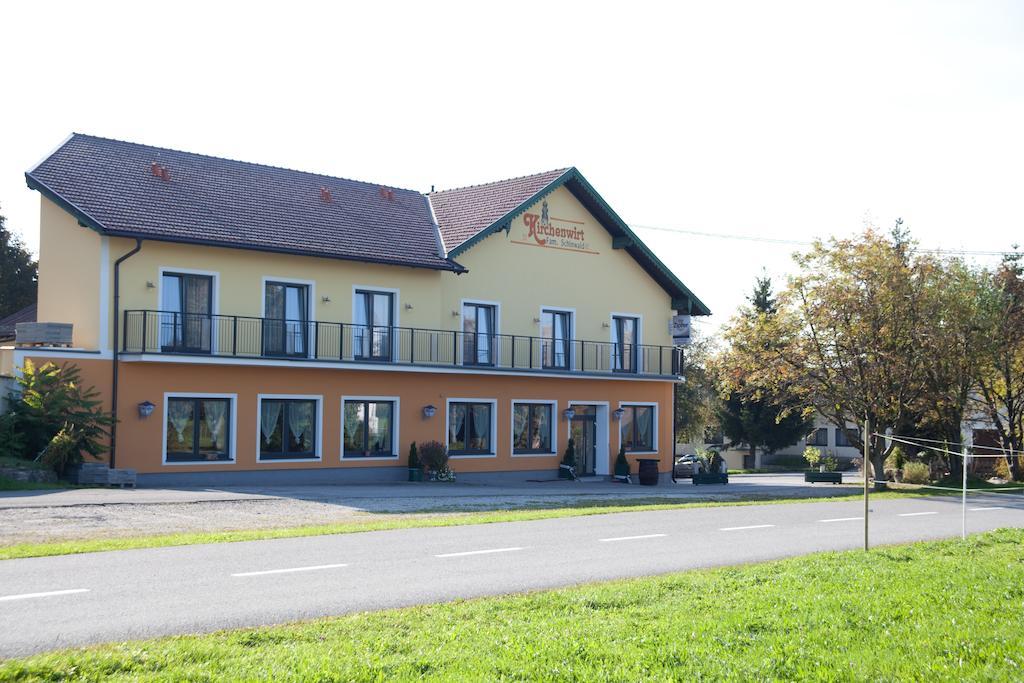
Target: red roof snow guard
[(463, 212), (109, 185)]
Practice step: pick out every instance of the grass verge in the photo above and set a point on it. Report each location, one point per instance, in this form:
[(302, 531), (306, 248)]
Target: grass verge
[(8, 484), (948, 610), (407, 521)]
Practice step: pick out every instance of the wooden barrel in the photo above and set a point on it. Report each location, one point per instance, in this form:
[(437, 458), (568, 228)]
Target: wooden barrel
[(648, 471)]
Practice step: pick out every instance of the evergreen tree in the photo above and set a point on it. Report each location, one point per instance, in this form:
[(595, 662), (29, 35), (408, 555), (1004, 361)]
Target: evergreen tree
[(18, 271)]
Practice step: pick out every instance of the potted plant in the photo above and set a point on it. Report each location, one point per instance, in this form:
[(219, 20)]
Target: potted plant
[(435, 456), (826, 467), (712, 470), (415, 466), (622, 466), (567, 468)]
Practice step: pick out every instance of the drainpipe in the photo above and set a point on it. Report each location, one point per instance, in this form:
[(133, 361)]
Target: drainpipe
[(117, 346)]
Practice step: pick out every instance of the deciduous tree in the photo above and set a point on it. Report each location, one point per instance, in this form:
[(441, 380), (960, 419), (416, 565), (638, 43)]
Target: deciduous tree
[(18, 271)]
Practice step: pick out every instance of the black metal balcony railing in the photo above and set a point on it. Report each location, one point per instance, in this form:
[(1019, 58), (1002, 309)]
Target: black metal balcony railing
[(246, 337)]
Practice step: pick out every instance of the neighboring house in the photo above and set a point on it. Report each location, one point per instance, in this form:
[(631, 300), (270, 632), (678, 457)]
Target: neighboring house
[(7, 325), (827, 437), (284, 326)]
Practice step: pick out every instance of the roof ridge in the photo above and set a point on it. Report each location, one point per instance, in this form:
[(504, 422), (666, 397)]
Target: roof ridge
[(235, 161), (559, 171)]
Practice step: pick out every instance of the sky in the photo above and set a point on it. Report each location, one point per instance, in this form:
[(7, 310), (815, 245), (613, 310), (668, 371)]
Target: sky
[(776, 121)]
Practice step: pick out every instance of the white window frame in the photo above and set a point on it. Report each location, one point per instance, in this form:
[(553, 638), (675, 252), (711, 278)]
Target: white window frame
[(234, 429), (319, 427), (554, 427), (395, 428), (494, 426), (310, 307), (572, 335), (214, 298), (639, 339), (654, 435), (496, 305)]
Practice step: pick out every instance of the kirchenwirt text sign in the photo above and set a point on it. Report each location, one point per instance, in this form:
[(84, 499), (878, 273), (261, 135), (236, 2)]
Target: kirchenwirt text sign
[(550, 232)]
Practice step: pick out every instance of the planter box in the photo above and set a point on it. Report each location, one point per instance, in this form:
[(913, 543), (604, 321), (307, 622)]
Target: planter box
[(415, 474), (823, 477), (566, 472), (710, 478)]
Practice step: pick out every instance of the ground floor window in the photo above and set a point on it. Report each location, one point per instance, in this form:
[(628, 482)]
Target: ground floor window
[(637, 428), (369, 429), (198, 429), (818, 437), (469, 428), (288, 428), (531, 428), (843, 440)]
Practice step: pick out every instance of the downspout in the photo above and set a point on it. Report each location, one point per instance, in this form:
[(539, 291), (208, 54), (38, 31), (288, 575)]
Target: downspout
[(117, 346)]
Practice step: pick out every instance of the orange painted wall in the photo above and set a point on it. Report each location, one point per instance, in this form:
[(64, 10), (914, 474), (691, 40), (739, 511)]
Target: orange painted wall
[(140, 440)]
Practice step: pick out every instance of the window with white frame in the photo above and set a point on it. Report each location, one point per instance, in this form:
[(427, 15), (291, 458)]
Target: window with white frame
[(532, 427), (369, 429), (637, 427), (198, 429), (288, 429), (470, 428), (818, 437)]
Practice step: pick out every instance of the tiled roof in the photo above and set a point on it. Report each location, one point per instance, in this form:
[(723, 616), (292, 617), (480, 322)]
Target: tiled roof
[(25, 315), (463, 212), (110, 186)]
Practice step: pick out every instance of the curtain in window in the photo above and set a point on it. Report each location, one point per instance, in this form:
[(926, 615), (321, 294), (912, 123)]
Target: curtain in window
[(179, 414), (458, 420), (197, 308), (483, 347), (644, 424), (519, 423), (380, 419), (300, 422), (353, 418), (541, 428), (215, 413), (482, 424), (270, 413)]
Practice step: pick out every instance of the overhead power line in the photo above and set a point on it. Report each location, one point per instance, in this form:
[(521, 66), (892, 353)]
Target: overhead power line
[(802, 243)]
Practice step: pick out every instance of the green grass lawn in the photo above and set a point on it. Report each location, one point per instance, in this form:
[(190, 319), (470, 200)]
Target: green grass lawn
[(950, 610), (8, 484), (384, 522)]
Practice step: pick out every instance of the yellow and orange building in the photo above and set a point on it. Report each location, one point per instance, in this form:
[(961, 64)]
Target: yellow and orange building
[(254, 324)]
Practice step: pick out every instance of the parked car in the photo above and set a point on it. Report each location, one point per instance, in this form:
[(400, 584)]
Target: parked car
[(685, 466)]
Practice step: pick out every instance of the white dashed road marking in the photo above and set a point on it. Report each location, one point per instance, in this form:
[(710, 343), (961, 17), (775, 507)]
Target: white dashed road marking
[(291, 569)]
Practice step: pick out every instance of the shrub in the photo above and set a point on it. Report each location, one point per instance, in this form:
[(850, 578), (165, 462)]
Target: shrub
[(434, 455), (897, 458), (830, 462), (569, 457), (916, 473), (52, 400), (414, 458), (812, 455), (621, 463), (12, 443), (63, 453)]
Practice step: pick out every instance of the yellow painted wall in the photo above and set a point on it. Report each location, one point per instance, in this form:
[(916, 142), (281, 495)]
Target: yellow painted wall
[(524, 276), (69, 274)]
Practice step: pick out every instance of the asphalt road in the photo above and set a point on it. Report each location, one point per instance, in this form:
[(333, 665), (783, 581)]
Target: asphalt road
[(71, 600)]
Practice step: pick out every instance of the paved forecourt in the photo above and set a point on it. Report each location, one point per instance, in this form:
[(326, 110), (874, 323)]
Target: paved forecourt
[(54, 602)]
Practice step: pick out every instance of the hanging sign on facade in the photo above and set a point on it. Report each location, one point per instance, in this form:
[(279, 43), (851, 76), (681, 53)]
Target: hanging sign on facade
[(543, 230), (679, 328)]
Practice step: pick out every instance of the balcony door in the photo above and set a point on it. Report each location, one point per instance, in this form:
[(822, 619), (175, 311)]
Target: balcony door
[(286, 319), (374, 320), (477, 334), (556, 337), (186, 302), (624, 338)]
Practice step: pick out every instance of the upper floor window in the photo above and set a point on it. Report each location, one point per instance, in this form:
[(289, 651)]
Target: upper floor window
[(286, 318), (556, 337), (374, 320), (478, 338), (637, 428), (198, 429), (288, 429), (186, 302), (624, 339)]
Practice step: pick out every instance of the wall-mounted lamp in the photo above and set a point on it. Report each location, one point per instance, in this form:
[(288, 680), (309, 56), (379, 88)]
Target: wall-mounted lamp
[(618, 413), (428, 411), (146, 409), (605, 325), (150, 284), (536, 321), (408, 307), (455, 314), (569, 413), (325, 299)]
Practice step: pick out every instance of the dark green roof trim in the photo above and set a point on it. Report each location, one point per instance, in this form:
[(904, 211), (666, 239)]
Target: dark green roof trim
[(87, 221), (682, 298)]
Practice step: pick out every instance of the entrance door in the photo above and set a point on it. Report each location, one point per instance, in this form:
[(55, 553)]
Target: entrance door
[(583, 430)]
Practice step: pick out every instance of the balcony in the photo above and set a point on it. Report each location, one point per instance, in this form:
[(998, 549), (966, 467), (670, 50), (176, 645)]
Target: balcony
[(231, 336)]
